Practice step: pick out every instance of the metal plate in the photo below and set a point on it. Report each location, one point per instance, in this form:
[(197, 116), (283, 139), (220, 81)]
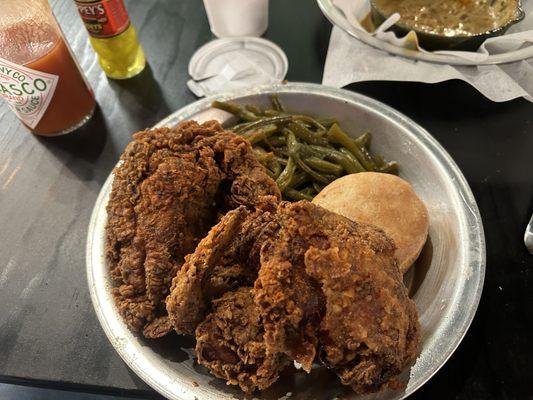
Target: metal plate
[(446, 281), (336, 17)]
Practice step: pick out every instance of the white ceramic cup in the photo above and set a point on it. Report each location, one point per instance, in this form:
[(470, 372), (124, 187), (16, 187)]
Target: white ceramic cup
[(229, 18)]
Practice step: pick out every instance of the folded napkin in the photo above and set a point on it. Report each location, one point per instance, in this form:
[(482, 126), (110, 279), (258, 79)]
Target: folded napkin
[(350, 60)]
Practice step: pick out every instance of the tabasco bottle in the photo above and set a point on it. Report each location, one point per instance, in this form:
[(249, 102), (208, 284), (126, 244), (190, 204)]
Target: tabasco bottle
[(113, 37), (39, 77)]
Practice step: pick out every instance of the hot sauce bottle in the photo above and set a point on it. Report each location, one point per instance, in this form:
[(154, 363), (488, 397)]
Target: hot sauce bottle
[(113, 37), (39, 77)]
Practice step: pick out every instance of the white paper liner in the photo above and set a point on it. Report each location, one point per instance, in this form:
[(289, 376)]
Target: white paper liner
[(517, 36), (350, 60)]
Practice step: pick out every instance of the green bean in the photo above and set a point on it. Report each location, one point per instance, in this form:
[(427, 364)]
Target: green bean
[(269, 173), (253, 109), (236, 110), (236, 128), (353, 159), (263, 156), (260, 134), (300, 152), (268, 121), (309, 190), (336, 135), (327, 122), (274, 113), (364, 140), (298, 179), (378, 159), (281, 160), (324, 166), (294, 147), (348, 161), (306, 135), (280, 152), (390, 168), (307, 150), (311, 121), (286, 175), (276, 103), (315, 175), (277, 141), (317, 187), (275, 167), (366, 154), (294, 194)]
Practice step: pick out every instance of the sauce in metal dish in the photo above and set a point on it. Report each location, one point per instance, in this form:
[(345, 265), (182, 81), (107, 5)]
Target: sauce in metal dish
[(451, 17)]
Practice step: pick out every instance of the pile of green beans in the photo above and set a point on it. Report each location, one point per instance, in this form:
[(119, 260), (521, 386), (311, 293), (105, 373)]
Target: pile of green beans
[(302, 153)]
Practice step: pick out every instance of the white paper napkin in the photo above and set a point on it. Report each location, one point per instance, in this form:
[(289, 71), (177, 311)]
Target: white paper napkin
[(350, 60)]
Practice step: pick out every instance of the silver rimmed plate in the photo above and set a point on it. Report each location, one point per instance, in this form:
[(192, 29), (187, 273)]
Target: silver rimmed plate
[(446, 282), (337, 17)]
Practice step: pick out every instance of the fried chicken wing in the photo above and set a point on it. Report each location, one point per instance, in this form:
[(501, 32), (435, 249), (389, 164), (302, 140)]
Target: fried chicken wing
[(229, 342), (227, 258), (168, 190)]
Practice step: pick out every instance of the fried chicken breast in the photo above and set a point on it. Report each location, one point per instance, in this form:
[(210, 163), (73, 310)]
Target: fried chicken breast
[(368, 330), (168, 190)]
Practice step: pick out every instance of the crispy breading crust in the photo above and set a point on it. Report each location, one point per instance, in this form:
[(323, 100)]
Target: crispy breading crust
[(167, 192), (230, 343), (325, 285)]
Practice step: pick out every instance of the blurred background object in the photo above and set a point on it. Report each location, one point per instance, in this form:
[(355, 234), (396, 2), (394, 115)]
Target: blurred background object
[(113, 37), (230, 18), (39, 77)]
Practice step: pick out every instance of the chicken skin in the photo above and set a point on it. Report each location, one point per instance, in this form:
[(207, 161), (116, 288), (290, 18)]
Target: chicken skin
[(227, 258), (168, 191), (230, 343), (324, 288), (368, 328)]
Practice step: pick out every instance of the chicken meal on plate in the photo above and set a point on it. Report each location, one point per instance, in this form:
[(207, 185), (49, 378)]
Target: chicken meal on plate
[(199, 241)]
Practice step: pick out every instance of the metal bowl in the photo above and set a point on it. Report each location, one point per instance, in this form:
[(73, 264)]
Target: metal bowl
[(446, 281), (337, 18), (431, 41)]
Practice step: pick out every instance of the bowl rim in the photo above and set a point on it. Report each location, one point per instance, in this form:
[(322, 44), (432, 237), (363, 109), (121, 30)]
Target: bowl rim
[(336, 18), (97, 274), (519, 16)]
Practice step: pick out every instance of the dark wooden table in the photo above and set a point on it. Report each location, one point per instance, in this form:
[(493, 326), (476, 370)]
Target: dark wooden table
[(49, 334)]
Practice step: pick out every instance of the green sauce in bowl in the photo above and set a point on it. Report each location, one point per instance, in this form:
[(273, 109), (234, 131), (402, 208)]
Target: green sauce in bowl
[(450, 24)]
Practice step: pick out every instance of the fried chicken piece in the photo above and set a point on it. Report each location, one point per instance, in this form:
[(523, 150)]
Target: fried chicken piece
[(323, 285), (291, 303), (168, 190), (368, 328), (229, 342), (227, 258)]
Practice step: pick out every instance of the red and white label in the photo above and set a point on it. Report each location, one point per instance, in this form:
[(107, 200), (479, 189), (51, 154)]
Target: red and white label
[(103, 18), (28, 92)]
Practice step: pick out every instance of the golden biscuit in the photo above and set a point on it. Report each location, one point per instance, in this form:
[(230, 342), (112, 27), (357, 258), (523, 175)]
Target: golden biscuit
[(385, 201)]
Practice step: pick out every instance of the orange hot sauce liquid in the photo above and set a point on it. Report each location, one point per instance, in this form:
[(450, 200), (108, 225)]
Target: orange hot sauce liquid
[(73, 99)]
